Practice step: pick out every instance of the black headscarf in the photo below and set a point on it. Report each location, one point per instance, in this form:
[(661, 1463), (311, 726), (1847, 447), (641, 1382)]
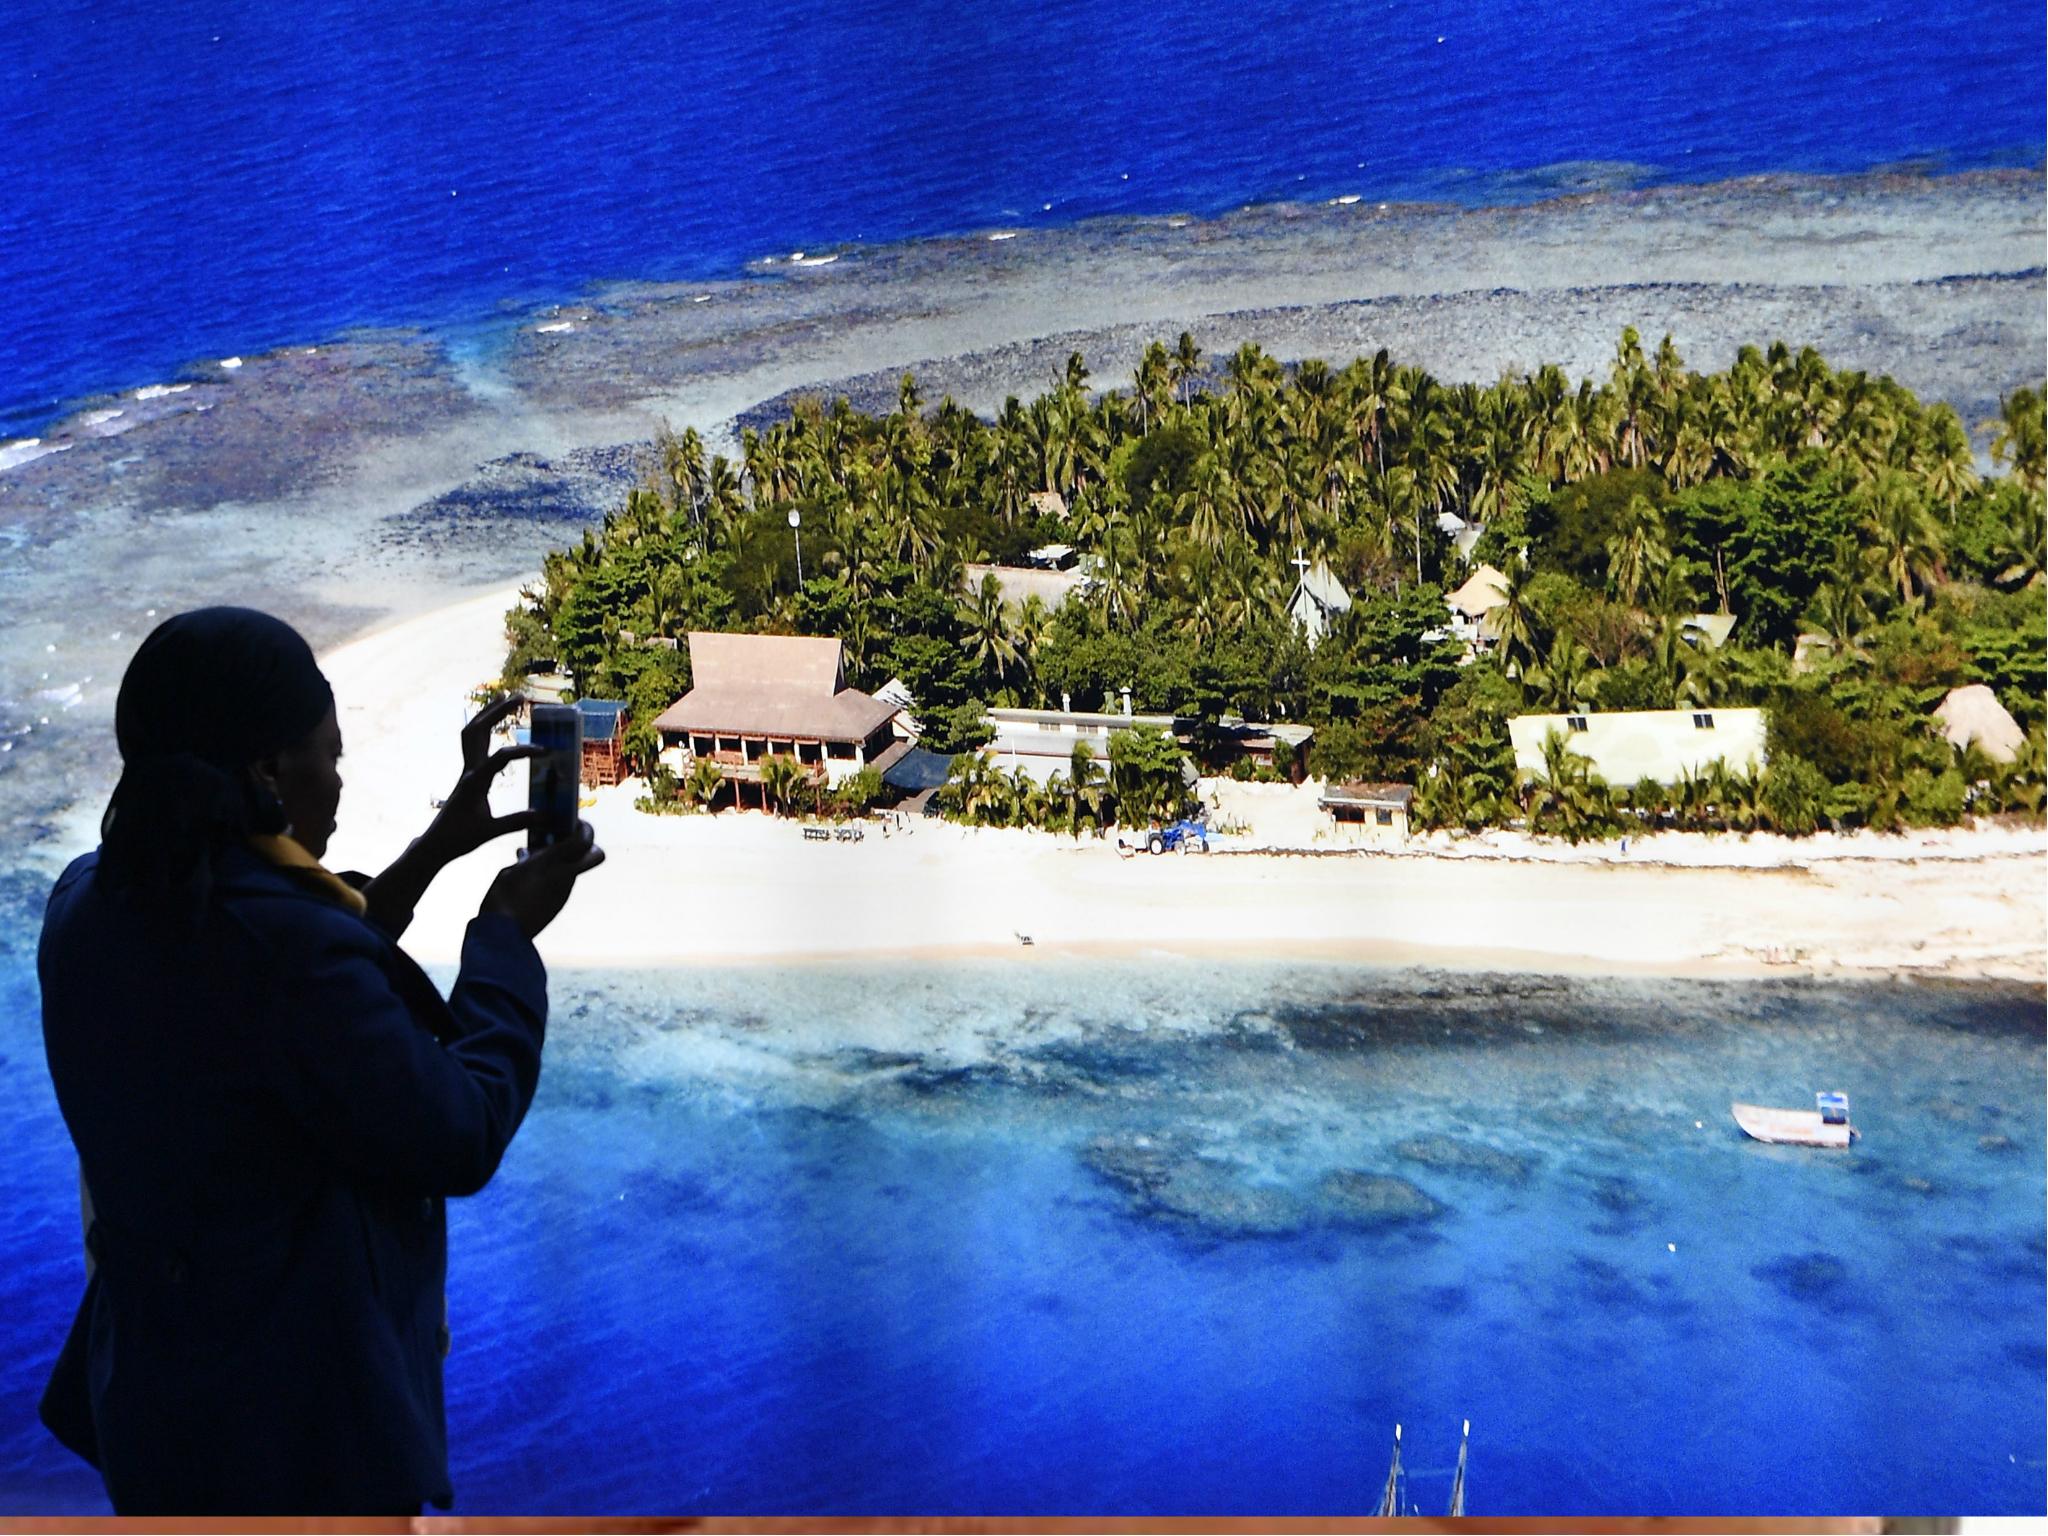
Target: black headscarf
[(208, 693)]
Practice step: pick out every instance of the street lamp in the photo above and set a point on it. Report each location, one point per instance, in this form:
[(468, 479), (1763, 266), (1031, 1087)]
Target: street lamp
[(796, 523)]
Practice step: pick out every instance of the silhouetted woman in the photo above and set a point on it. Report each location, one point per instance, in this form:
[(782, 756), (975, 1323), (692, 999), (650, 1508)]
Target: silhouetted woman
[(270, 1101)]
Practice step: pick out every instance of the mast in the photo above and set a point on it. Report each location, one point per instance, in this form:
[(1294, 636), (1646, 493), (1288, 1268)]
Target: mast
[(1458, 1485), (1390, 1496)]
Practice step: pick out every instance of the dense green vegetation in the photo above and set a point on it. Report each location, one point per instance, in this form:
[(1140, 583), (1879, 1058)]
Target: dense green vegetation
[(1804, 500)]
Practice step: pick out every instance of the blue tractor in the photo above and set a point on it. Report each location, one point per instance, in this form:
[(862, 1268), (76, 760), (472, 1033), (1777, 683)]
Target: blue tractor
[(1183, 836)]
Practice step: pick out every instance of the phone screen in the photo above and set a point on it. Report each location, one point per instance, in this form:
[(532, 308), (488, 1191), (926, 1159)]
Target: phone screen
[(553, 778)]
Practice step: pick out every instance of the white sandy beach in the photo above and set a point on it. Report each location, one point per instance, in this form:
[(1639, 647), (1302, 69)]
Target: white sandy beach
[(695, 890)]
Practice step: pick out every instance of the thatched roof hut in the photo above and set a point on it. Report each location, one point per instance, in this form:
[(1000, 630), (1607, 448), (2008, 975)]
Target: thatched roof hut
[(1484, 590)]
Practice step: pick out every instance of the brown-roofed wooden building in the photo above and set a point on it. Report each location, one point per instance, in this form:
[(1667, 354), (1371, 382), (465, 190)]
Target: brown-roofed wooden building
[(761, 696)]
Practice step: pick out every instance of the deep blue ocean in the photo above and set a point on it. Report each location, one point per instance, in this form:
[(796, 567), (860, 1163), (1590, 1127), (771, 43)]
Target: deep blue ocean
[(184, 183)]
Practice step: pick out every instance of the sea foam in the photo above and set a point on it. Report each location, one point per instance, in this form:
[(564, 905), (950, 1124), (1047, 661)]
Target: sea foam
[(27, 449)]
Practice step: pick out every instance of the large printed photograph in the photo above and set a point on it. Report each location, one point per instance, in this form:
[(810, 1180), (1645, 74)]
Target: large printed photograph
[(1317, 732)]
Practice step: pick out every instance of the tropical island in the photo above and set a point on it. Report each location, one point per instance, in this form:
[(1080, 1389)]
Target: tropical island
[(1259, 542)]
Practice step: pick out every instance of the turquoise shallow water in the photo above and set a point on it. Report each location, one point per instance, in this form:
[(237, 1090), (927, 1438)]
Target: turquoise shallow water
[(1061, 1236)]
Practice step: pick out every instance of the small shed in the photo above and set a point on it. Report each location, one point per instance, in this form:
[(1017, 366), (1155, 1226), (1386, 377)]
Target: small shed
[(1973, 714), (604, 740), (1367, 814)]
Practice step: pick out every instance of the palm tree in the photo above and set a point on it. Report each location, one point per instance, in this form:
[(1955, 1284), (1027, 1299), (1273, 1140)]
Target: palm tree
[(1692, 796), (1202, 504), (1034, 622), (1647, 800), (987, 639), (1636, 551), (1029, 803), (1905, 545), (1737, 795), (1514, 622), (1152, 385), (2023, 785), (703, 783), (1377, 393), (642, 749), (1810, 393), (1185, 364), (1688, 443), (783, 780), (666, 591), (2020, 547), (1839, 609), (1118, 575), (724, 501), (1566, 796), (1087, 791), (2019, 434), (1567, 676), (1546, 394), (682, 467), (1678, 665), (1944, 461), (977, 789)]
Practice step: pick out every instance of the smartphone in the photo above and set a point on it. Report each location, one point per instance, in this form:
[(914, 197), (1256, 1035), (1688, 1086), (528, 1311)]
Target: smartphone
[(553, 777)]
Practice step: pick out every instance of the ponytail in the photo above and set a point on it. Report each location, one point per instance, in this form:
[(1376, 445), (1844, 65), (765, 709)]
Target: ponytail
[(167, 823)]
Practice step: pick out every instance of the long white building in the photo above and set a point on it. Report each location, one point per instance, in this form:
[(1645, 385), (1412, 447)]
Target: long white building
[(1626, 746)]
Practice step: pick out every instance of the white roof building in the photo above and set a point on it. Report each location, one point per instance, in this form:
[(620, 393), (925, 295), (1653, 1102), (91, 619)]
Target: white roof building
[(1050, 585), (1625, 746), (906, 724), (1042, 741), (1707, 631), (1318, 598)]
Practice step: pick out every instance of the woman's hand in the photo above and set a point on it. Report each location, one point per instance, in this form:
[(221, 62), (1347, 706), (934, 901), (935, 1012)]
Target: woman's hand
[(465, 823), (533, 890)]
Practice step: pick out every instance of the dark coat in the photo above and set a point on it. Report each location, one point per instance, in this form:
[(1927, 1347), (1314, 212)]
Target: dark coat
[(269, 1115)]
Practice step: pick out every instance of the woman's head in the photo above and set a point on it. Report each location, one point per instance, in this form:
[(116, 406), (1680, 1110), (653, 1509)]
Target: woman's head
[(226, 727)]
